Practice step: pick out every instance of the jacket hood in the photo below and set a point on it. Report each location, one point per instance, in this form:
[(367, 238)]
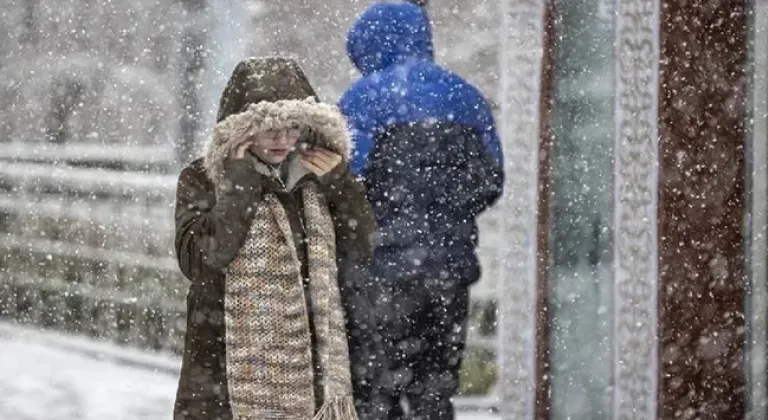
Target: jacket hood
[(388, 34), (272, 94), (259, 79)]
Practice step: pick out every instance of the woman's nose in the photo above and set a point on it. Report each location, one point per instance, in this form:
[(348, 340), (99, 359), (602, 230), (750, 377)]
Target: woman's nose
[(282, 137)]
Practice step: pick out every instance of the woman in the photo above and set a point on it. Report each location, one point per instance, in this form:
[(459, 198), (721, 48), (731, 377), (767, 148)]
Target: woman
[(266, 223)]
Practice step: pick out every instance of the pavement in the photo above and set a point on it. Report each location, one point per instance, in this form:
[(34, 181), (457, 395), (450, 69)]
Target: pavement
[(52, 376)]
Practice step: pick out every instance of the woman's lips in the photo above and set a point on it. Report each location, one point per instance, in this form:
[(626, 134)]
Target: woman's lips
[(278, 152)]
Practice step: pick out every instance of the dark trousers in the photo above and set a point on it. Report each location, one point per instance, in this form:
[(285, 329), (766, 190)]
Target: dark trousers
[(424, 327)]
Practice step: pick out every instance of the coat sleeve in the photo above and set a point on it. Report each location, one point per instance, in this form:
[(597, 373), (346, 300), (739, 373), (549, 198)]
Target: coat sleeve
[(209, 233), (355, 227), (352, 215), (478, 178), (359, 108), (479, 165)]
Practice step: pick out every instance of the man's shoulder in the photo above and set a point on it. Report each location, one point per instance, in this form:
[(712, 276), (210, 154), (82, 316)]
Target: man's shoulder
[(441, 82), (367, 82), (426, 69), (412, 80), (463, 85), (358, 91)]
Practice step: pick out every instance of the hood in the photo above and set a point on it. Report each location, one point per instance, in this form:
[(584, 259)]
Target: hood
[(268, 96), (269, 79), (388, 34)]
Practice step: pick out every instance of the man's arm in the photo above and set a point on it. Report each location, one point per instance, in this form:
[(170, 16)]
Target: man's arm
[(478, 177), (479, 165), (360, 111)]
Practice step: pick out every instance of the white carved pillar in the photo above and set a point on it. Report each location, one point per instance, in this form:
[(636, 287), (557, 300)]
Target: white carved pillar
[(636, 205), (521, 60)]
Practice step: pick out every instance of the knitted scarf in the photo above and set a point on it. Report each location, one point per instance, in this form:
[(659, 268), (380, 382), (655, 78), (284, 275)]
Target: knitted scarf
[(269, 362), (268, 346)]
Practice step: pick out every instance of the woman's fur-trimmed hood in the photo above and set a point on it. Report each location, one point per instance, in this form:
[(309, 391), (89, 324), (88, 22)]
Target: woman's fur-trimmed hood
[(272, 93), (323, 120)]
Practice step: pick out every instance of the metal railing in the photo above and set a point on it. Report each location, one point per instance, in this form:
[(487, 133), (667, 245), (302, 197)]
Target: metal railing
[(87, 242)]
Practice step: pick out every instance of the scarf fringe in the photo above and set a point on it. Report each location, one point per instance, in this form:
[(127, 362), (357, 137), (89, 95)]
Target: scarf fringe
[(340, 408)]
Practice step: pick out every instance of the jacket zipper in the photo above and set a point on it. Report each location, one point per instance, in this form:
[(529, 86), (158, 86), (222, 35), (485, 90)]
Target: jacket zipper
[(279, 179)]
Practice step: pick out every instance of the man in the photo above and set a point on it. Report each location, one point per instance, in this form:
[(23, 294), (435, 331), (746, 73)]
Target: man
[(428, 152)]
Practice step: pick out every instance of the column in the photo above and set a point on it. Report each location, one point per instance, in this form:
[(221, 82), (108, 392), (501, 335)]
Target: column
[(702, 134), (757, 220), (520, 311), (636, 239)]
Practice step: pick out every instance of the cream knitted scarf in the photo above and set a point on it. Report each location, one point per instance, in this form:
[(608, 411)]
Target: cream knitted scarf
[(268, 348)]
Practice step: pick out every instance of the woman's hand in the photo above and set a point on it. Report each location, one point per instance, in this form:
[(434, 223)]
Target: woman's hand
[(320, 161), (240, 151), (239, 171)]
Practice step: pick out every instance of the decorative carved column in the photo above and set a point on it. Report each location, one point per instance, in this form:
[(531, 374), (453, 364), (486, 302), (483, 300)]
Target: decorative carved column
[(522, 52), (679, 205), (701, 199), (635, 210)]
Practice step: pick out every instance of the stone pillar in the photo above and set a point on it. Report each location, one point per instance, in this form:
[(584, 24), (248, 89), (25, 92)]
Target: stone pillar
[(679, 297), (193, 41), (522, 353), (546, 105), (635, 309), (702, 135), (757, 221)]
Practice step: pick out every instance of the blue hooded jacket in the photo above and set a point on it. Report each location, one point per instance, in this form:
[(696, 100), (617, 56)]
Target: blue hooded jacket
[(425, 143)]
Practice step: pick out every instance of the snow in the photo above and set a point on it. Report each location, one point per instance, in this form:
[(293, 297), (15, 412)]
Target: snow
[(51, 376), (40, 381)]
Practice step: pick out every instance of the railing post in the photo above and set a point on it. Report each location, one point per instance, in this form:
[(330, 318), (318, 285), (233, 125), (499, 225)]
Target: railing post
[(7, 301)]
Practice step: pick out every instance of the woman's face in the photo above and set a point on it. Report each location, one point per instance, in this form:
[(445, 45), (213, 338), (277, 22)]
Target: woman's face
[(274, 146)]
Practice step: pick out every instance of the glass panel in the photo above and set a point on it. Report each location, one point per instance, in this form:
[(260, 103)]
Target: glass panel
[(580, 282)]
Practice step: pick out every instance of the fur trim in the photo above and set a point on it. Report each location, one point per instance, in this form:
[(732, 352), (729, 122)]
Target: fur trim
[(324, 119)]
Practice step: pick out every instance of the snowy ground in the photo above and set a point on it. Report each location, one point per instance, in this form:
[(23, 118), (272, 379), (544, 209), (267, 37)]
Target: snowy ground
[(46, 376), (39, 381)]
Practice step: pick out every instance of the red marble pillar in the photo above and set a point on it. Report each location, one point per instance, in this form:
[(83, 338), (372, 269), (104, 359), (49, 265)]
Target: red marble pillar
[(543, 390), (702, 116)]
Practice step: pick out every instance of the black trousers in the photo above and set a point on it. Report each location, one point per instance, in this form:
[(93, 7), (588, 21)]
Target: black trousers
[(425, 328)]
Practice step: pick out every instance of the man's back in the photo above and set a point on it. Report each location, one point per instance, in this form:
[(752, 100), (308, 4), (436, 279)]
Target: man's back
[(428, 151), (426, 144)]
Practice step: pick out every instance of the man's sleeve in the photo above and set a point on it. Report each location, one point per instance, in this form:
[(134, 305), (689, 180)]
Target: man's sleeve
[(483, 162), (358, 107)]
